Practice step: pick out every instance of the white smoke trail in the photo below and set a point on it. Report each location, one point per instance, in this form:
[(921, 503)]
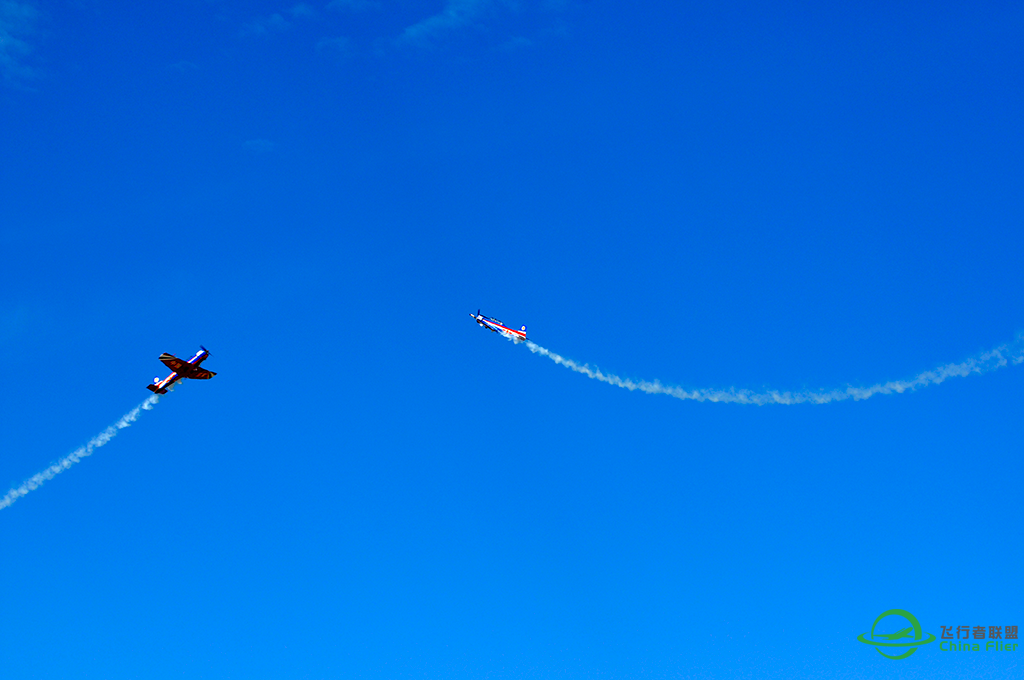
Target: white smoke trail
[(35, 481), (1010, 353)]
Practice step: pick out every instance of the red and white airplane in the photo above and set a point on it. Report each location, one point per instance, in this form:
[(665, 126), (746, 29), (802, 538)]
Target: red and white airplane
[(498, 327), (182, 369)]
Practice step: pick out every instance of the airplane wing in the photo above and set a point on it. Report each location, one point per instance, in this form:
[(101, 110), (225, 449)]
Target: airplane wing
[(202, 374), (172, 362)]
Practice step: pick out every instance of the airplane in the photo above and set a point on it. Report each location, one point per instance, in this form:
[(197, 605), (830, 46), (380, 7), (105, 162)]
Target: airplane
[(181, 369), (498, 327), (906, 632)]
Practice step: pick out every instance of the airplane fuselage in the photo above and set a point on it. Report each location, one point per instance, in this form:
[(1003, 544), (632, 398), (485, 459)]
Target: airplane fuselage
[(498, 327)]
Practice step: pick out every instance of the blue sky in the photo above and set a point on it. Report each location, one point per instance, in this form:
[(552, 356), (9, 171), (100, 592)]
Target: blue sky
[(757, 196)]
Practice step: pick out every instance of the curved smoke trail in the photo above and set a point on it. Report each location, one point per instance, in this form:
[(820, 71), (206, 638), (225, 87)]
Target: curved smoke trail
[(36, 480), (1010, 353)]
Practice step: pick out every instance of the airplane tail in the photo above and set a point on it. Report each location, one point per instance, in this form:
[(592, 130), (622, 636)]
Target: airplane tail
[(156, 390)]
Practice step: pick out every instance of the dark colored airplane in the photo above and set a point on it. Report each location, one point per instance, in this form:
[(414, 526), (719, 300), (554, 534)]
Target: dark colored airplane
[(182, 369)]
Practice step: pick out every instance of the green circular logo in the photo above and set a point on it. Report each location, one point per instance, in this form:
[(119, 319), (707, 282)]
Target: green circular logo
[(913, 632)]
